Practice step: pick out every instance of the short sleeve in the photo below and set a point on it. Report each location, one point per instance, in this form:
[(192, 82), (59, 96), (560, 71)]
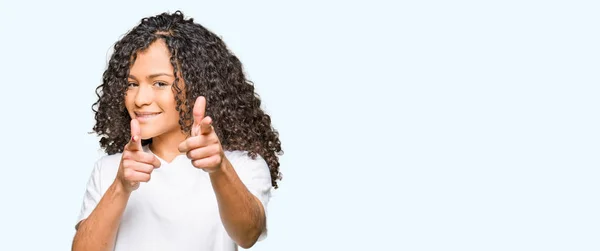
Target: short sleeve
[(92, 194), (255, 174)]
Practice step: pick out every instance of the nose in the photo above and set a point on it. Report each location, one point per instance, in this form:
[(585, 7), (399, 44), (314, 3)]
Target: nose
[(144, 96)]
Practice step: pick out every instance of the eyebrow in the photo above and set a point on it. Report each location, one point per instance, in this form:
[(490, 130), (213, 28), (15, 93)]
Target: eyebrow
[(152, 75)]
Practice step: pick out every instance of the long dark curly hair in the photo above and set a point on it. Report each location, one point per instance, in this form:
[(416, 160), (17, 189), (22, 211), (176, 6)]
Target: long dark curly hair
[(208, 69)]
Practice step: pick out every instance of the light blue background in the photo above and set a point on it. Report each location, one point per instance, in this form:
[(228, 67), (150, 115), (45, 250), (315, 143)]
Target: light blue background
[(417, 125)]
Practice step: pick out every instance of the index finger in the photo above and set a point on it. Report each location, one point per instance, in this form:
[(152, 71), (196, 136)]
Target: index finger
[(198, 112), (135, 143)]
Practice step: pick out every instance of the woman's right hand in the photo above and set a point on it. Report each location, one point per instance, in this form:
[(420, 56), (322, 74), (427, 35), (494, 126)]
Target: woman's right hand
[(136, 165)]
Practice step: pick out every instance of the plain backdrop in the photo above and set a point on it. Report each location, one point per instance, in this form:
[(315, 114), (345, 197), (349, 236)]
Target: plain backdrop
[(406, 125)]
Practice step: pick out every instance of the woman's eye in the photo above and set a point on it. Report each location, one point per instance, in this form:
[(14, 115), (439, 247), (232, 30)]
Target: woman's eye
[(131, 84), (160, 84)]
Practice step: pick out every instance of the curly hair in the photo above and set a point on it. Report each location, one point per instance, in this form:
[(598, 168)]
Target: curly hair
[(208, 68)]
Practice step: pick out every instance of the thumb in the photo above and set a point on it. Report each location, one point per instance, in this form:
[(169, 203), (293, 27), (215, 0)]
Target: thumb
[(198, 113), (136, 142)]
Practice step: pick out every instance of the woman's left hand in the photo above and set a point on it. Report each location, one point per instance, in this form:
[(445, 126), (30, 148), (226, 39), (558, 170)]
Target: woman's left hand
[(203, 148)]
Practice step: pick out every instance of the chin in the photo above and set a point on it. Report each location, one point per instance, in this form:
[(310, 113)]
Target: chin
[(146, 136)]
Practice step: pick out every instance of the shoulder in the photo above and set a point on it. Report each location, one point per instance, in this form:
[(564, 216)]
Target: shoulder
[(109, 161), (244, 158), (246, 165), (107, 166)]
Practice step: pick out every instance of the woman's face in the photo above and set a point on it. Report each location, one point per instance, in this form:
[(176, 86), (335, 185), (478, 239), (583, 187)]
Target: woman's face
[(149, 97)]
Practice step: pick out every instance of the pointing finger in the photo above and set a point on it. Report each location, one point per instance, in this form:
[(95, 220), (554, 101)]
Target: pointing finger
[(135, 144), (198, 112)]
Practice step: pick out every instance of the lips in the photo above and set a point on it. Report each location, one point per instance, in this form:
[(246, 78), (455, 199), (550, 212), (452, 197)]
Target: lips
[(144, 116), (146, 113)]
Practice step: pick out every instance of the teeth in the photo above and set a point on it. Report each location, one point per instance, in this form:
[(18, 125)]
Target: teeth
[(147, 115)]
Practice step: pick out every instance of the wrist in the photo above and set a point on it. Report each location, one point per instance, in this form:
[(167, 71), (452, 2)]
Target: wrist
[(120, 189), (221, 170)]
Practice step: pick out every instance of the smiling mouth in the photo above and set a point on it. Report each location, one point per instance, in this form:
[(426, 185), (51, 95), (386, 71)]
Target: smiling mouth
[(146, 115)]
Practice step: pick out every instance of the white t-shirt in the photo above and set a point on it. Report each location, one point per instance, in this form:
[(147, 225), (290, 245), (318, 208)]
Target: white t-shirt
[(177, 209)]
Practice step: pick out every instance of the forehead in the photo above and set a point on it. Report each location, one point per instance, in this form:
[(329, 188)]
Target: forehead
[(153, 59)]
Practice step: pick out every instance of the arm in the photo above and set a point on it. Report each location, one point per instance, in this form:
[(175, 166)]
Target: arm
[(241, 212), (99, 230)]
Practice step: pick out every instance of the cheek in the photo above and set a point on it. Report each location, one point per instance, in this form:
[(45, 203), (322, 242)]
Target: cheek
[(168, 105), (168, 102), (129, 102)]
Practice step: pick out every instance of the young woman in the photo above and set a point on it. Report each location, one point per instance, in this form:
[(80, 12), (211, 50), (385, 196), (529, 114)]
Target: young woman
[(191, 157)]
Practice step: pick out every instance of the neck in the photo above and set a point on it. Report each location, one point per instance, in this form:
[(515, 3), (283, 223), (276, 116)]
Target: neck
[(166, 146)]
